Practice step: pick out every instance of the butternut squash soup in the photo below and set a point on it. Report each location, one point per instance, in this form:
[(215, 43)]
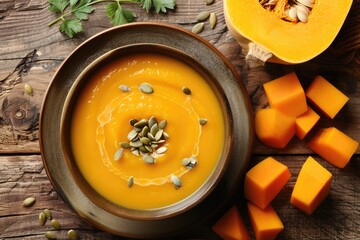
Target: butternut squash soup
[(147, 131)]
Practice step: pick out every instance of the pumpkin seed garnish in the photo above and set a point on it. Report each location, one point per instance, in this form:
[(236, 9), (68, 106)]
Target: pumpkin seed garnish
[(148, 159), (125, 145), (72, 235), (47, 213), (161, 150), (152, 121), (42, 218), (50, 235), (130, 181), (124, 88), (28, 89), (213, 20), (133, 121), (162, 124), (132, 134), (146, 88), (198, 28), (28, 202), (154, 129), (186, 90), (55, 224), (189, 163), (176, 181), (203, 121), (118, 154), (158, 135), (202, 16)]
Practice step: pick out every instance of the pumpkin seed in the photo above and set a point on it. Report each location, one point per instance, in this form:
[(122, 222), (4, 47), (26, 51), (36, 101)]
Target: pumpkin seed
[(132, 134), (125, 145), (186, 90), (146, 88), (28, 202), (202, 16), (124, 88), (136, 144), (50, 235), (166, 135), (133, 121), (154, 129), (42, 218), (130, 181), (302, 15), (118, 154), (135, 152), (203, 121), (148, 159), (161, 150), (153, 146), (47, 213), (158, 135), (176, 181), (145, 140), (293, 13), (307, 3), (28, 89), (152, 121), (213, 20), (143, 149), (209, 2), (198, 28), (162, 124), (145, 131), (151, 137), (140, 124), (72, 235), (185, 161), (149, 149), (55, 224)]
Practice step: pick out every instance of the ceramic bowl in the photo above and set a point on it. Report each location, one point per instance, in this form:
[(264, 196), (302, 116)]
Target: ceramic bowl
[(62, 95)]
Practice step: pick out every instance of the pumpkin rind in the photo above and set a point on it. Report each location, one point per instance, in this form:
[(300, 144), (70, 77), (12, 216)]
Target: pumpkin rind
[(289, 42)]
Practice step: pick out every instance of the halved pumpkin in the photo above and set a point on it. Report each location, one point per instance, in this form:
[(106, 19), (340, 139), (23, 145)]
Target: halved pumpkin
[(285, 41)]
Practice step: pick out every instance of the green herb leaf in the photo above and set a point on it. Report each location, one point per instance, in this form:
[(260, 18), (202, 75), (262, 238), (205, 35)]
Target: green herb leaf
[(82, 9), (58, 5), (119, 15), (146, 4), (71, 27), (73, 2), (159, 5)]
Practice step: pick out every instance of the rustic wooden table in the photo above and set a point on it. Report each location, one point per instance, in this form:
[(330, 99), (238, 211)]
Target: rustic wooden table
[(31, 52)]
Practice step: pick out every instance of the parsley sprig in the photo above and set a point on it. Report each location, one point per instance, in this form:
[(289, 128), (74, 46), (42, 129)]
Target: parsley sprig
[(73, 12)]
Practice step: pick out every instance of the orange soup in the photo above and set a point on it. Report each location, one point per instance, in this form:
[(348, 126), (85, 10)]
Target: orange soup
[(175, 163)]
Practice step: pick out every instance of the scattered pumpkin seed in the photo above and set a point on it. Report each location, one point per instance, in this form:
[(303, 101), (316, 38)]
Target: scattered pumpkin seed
[(189, 163), (186, 90), (50, 235), (149, 149), (130, 181), (158, 135), (145, 140), (209, 2), (136, 144), (140, 124), (132, 134), (135, 152), (161, 150), (118, 154), (162, 124), (124, 88), (176, 181), (42, 218), (213, 20), (166, 135), (202, 16), (146, 88), (152, 121), (28, 89), (133, 121), (28, 202), (47, 213), (148, 159), (72, 235), (125, 145), (55, 224), (203, 121), (154, 129), (145, 130), (198, 28)]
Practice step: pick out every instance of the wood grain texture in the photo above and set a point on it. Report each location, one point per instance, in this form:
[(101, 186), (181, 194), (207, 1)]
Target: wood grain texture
[(31, 52)]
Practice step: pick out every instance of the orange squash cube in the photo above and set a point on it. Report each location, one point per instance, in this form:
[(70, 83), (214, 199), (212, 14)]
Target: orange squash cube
[(274, 128), (266, 223), (334, 146), (305, 122), (287, 95), (311, 187), (231, 226), (264, 181), (327, 98)]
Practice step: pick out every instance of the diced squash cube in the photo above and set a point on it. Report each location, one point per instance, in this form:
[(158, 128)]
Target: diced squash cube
[(334, 146), (327, 98), (266, 223), (274, 128), (305, 122), (231, 226), (264, 181), (311, 187), (287, 95)]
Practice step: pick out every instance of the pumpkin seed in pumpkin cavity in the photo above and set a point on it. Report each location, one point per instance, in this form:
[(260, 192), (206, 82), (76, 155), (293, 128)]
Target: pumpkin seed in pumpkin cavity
[(72, 235), (202, 16), (42, 218), (28, 202), (198, 28), (124, 88), (186, 90), (50, 235), (146, 88)]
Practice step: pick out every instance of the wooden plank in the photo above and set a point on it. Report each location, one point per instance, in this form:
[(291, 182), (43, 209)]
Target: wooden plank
[(24, 176)]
